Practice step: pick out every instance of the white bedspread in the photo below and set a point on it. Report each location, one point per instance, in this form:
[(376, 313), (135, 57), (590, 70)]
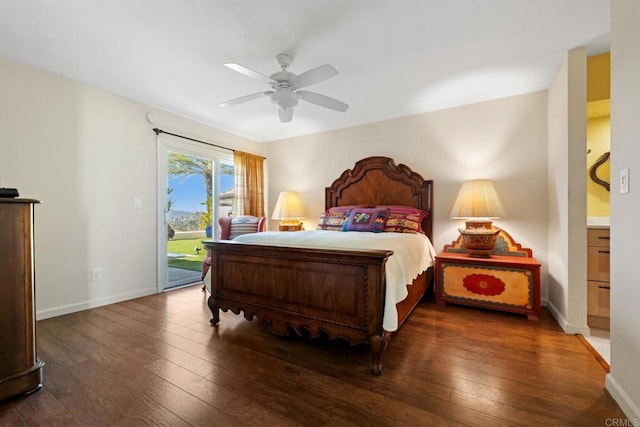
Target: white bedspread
[(412, 254)]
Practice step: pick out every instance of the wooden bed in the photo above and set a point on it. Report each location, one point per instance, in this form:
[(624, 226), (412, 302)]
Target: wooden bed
[(338, 292)]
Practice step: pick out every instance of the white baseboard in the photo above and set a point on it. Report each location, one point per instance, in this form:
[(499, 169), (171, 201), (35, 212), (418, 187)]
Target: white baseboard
[(85, 305), (623, 400), (556, 315), (566, 326)]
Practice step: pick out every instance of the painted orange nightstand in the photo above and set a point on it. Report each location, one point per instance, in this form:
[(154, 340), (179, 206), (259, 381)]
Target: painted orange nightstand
[(509, 280)]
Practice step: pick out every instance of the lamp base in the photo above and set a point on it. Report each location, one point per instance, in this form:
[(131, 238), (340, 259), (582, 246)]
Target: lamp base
[(290, 225), (477, 223), (479, 238)]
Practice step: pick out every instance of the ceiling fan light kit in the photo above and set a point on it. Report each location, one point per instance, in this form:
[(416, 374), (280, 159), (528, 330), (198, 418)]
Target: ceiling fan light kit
[(285, 98), (286, 86)]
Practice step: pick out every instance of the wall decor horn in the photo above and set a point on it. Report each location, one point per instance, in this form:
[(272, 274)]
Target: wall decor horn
[(593, 170)]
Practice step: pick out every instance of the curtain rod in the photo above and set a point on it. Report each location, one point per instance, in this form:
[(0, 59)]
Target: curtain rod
[(159, 131)]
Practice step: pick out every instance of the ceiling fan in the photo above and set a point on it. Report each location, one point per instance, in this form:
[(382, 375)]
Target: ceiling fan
[(285, 87)]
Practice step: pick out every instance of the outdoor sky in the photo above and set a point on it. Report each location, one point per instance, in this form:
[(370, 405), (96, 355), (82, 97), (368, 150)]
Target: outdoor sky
[(189, 193)]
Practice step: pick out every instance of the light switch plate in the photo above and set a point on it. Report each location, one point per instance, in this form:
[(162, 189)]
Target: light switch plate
[(624, 181), (137, 202)]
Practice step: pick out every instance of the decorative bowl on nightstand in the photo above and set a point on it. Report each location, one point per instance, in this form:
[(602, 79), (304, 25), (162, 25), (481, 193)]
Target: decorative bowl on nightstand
[(479, 242)]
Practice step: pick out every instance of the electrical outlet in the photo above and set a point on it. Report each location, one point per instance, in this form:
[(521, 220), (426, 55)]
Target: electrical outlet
[(96, 274)]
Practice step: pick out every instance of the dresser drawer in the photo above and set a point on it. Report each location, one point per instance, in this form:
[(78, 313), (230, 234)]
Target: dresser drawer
[(598, 299), (598, 260), (598, 237)]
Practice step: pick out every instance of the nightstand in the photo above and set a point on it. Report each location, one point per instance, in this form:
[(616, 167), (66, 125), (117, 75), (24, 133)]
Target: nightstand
[(509, 280)]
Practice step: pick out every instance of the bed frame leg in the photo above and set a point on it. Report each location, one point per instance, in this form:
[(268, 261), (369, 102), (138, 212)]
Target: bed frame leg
[(378, 344), (215, 311)]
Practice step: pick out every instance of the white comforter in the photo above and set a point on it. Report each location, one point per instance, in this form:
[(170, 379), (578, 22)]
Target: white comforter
[(412, 254)]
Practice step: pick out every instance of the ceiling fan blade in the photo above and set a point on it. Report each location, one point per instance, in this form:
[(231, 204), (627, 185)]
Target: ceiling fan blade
[(316, 75), (285, 114), (322, 100), (245, 98), (249, 72)]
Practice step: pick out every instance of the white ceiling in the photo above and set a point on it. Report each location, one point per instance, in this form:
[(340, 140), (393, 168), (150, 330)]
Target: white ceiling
[(395, 58)]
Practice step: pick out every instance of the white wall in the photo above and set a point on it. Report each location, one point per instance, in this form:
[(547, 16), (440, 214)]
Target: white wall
[(504, 140), (624, 380), (567, 227), (86, 153)]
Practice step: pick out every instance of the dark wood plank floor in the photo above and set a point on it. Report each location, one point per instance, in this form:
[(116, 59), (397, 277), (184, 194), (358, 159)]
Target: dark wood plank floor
[(156, 361)]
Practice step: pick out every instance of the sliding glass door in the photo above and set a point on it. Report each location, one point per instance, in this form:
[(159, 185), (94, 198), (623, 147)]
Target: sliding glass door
[(195, 187)]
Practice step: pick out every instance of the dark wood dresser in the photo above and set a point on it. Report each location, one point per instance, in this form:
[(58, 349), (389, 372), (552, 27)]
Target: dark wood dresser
[(20, 369)]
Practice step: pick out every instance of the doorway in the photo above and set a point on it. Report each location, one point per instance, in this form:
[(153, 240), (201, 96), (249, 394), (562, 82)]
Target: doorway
[(598, 201), (193, 181)]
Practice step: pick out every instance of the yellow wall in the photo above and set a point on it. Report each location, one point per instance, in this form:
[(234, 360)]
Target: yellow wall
[(598, 131), (598, 77), (598, 141)]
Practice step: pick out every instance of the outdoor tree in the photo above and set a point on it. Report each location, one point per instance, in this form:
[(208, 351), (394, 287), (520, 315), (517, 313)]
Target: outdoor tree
[(181, 165), (205, 218), (170, 231), (169, 199)]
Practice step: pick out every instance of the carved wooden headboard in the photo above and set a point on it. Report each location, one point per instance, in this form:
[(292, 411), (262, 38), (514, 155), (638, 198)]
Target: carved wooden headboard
[(379, 181)]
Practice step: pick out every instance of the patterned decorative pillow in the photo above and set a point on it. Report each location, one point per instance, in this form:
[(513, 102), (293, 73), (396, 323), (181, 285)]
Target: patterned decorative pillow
[(322, 222), (334, 218), (404, 219), (243, 225), (366, 219)]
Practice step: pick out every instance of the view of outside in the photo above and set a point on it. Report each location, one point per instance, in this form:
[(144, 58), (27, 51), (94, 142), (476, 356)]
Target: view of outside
[(189, 204)]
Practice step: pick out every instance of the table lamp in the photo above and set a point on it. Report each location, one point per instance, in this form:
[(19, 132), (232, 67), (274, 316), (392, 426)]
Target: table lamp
[(289, 211), (478, 203)]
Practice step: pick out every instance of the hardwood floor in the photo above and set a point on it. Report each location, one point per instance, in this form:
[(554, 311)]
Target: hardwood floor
[(156, 361)]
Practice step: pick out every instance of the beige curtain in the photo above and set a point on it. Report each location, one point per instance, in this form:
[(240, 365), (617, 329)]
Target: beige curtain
[(249, 181)]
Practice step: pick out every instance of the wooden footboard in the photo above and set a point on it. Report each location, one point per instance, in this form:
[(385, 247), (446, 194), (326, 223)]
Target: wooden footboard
[(338, 292)]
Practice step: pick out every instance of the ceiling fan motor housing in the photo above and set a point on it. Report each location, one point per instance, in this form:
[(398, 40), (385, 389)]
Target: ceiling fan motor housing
[(285, 78)]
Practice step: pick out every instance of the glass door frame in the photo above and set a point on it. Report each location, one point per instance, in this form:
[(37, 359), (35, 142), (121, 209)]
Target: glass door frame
[(165, 145)]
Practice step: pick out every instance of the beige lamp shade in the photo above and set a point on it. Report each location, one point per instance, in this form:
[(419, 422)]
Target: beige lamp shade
[(477, 199), (288, 207)]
